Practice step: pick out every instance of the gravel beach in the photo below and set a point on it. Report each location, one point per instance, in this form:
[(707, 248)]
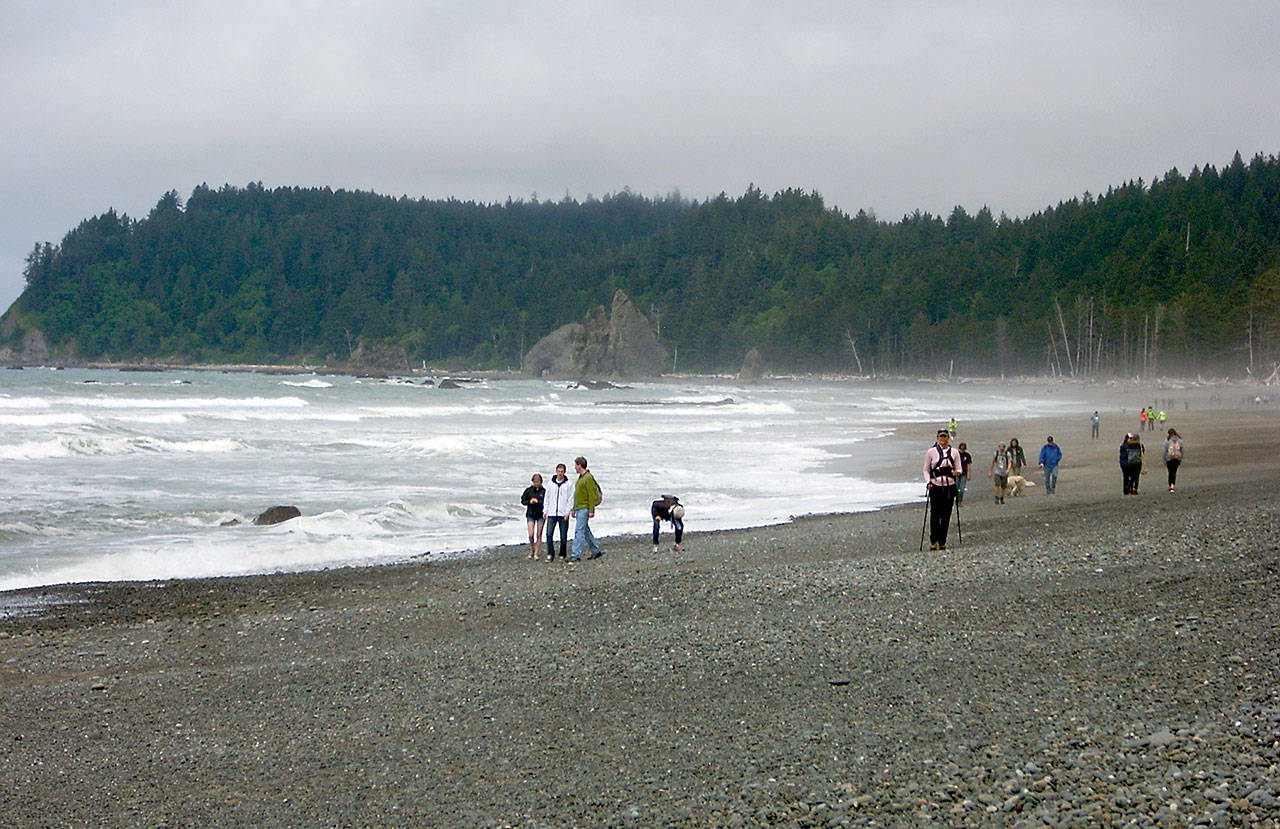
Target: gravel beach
[(1076, 660)]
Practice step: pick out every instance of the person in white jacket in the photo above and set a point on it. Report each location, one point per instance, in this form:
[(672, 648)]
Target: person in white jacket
[(558, 508)]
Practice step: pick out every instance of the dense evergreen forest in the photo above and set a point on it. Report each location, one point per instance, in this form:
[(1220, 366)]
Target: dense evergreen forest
[(1177, 276)]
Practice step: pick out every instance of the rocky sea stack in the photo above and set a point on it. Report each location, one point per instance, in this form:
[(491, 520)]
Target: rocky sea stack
[(621, 343)]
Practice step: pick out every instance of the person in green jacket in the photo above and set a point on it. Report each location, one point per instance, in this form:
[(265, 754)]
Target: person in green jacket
[(586, 497)]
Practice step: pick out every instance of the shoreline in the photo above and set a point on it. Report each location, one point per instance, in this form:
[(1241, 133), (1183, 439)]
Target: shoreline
[(905, 444)]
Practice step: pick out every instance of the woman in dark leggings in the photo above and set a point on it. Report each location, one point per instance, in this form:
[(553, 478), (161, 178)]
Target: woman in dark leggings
[(1173, 456)]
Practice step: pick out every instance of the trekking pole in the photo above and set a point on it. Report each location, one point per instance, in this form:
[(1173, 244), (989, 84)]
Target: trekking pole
[(959, 532), (926, 520)]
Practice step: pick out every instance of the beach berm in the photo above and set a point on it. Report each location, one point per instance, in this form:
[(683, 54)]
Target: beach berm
[(1081, 659)]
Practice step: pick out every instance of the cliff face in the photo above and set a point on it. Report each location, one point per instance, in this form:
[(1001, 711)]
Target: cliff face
[(618, 344), (20, 344)]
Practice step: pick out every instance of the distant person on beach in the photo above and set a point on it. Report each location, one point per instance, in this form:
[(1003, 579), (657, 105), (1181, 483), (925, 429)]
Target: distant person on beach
[(558, 507), (1151, 418), (941, 466), (668, 508), (1050, 457), (962, 480), (1131, 462), (1161, 417), (1017, 458), (1173, 455), (1094, 423), (953, 427), (586, 497), (999, 472), (1142, 420), (533, 497)]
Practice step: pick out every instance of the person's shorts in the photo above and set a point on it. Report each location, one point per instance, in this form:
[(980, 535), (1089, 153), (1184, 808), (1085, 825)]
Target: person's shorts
[(1002, 481)]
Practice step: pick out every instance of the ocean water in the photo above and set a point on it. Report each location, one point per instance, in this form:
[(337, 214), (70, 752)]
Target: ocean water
[(132, 475)]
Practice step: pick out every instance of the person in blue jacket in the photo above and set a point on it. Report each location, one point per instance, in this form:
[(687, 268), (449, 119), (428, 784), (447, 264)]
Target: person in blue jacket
[(1050, 457)]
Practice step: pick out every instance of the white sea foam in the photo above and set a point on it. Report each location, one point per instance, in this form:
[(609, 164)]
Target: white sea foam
[(308, 384), (169, 419), (177, 402), (49, 419)]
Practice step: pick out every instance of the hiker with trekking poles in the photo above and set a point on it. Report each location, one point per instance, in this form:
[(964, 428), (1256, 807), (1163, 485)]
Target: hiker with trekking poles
[(942, 465)]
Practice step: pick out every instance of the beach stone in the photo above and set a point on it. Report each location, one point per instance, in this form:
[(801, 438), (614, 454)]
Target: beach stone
[(276, 515)]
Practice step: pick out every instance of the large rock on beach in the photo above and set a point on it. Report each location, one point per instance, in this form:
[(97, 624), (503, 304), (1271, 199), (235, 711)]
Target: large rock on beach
[(277, 515)]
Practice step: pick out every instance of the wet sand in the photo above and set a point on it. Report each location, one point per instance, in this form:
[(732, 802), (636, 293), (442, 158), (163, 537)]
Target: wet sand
[(1080, 659)]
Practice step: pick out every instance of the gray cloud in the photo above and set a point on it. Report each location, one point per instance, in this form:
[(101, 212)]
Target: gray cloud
[(890, 107)]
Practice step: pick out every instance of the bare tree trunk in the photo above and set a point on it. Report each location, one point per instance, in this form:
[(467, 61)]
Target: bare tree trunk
[(1054, 363), (1155, 339), (853, 346), (1066, 344)]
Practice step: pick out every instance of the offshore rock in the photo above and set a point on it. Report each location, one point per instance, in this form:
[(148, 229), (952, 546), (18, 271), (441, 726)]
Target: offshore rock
[(557, 353), (752, 366), (618, 343), (633, 346), (276, 515)]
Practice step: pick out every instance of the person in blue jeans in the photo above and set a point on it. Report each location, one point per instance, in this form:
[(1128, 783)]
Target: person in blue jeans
[(559, 506), (586, 497), (1050, 457), (668, 508)]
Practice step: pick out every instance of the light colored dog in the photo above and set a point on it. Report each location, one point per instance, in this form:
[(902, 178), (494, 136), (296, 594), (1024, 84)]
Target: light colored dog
[(1017, 483)]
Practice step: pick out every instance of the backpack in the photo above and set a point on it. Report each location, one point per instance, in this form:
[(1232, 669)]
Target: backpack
[(1174, 450)]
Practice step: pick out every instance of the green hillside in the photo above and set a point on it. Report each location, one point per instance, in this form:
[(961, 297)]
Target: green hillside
[(1172, 277)]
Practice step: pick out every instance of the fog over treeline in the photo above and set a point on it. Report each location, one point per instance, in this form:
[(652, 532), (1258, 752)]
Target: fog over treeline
[(1174, 276)]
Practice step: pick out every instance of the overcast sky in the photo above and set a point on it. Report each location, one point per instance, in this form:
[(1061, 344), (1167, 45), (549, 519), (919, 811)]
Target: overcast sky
[(884, 106)]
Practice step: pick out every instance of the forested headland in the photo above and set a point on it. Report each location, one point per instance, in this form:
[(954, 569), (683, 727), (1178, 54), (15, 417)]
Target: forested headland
[(1172, 277)]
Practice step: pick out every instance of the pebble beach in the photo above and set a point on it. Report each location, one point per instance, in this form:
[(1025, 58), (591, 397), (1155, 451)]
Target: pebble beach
[(1078, 659)]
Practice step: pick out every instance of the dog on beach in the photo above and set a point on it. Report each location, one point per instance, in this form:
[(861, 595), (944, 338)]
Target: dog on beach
[(1017, 483)]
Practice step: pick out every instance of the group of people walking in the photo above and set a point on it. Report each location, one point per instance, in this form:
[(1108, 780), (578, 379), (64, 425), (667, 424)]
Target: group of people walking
[(947, 470), (549, 507), (1149, 418), (1131, 456)]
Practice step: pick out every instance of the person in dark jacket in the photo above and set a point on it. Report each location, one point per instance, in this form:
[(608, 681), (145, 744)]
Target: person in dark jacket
[(1017, 457), (668, 508), (533, 497), (962, 480), (1131, 462)]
